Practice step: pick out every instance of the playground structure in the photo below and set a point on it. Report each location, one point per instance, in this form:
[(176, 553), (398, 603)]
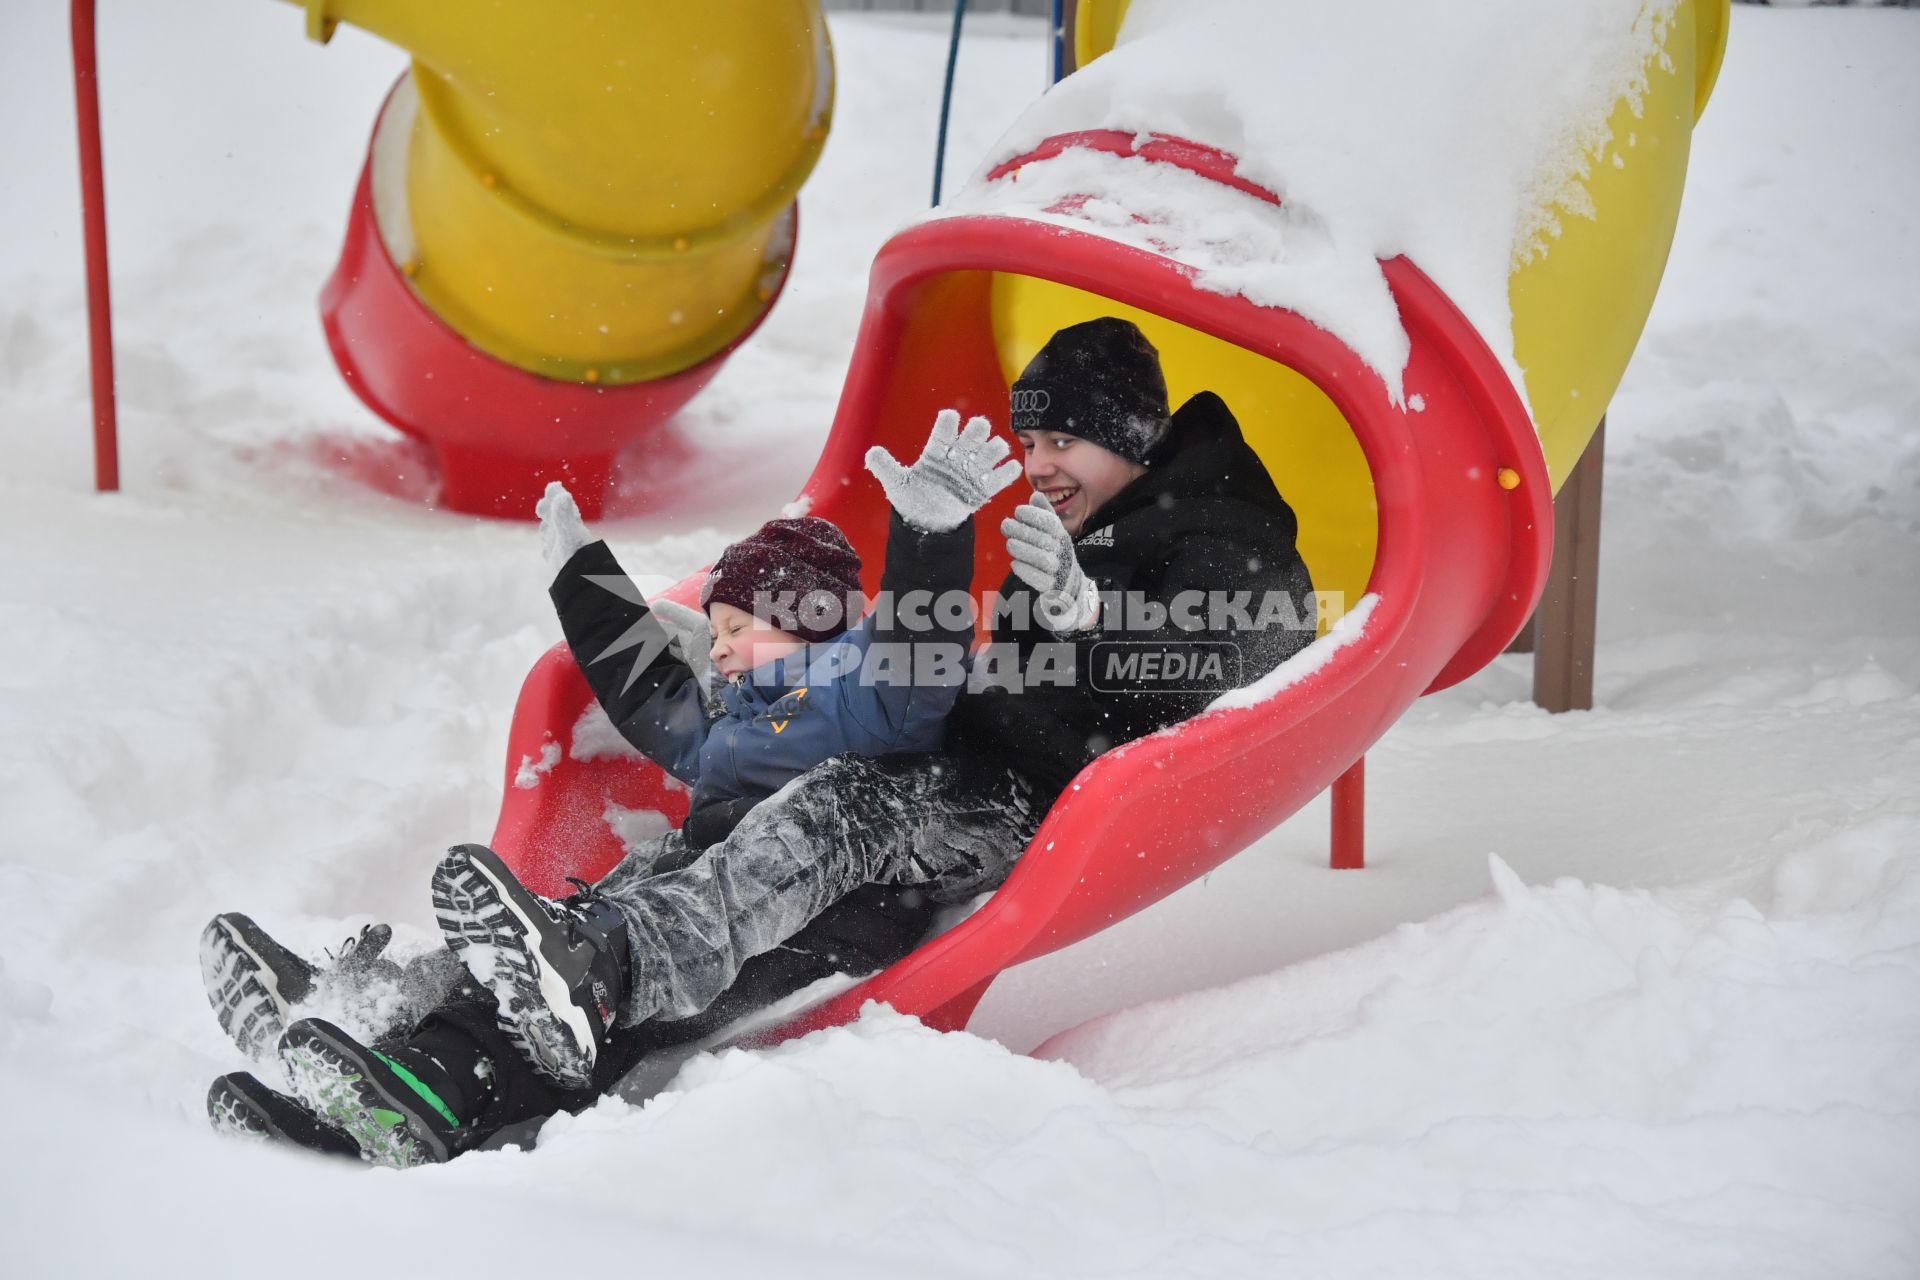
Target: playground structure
[(1437, 520), (544, 261), (1433, 513)]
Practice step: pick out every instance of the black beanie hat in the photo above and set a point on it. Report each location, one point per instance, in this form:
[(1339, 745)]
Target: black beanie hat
[(792, 574), (1099, 381)]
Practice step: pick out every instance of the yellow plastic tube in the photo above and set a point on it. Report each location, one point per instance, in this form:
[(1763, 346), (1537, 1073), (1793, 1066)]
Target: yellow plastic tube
[(597, 193), (1096, 26), (1579, 307)]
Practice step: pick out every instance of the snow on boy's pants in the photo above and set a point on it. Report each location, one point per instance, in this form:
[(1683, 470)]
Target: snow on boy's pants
[(952, 826)]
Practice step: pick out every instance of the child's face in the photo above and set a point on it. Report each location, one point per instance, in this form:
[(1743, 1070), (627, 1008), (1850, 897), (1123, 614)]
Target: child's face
[(742, 642), (1076, 476)]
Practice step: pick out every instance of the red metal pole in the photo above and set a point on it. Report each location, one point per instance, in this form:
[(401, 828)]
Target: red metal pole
[(1350, 818), (93, 212)]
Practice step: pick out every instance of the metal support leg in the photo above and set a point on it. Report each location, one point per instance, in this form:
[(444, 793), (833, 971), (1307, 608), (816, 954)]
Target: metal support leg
[(1350, 818), (93, 213)]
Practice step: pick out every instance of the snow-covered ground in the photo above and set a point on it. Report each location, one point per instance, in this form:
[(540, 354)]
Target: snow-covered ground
[(1624, 993)]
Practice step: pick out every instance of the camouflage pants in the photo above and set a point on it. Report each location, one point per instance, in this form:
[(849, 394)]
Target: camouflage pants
[(951, 827)]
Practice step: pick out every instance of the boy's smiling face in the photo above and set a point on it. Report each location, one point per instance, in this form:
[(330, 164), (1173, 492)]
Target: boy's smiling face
[(742, 642), (1075, 475)]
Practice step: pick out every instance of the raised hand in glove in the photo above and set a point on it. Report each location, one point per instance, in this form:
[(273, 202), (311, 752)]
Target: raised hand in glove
[(1043, 558), (689, 637), (562, 531), (954, 477)]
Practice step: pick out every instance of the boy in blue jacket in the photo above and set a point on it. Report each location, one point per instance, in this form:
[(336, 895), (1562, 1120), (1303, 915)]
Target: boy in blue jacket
[(795, 687)]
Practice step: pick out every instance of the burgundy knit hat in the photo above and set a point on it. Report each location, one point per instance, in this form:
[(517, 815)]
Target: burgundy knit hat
[(792, 574)]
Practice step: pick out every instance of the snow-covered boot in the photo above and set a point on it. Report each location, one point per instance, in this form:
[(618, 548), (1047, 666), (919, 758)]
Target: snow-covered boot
[(557, 967), (399, 1110), (253, 982), (239, 1105)]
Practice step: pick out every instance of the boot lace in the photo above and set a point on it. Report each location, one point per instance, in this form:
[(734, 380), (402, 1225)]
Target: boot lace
[(363, 946), (573, 907)]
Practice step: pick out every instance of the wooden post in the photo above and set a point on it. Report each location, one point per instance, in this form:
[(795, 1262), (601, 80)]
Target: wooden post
[(1563, 626)]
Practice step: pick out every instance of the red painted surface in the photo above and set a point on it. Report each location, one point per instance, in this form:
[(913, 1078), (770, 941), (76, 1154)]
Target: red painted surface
[(1161, 148), (499, 432), (1459, 565), (554, 819), (93, 216), (1350, 818)]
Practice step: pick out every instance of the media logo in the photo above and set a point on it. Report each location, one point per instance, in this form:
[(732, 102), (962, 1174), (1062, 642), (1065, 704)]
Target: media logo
[(1175, 666)]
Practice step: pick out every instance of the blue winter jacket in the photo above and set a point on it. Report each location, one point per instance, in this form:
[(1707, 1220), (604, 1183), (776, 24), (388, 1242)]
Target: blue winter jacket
[(856, 693)]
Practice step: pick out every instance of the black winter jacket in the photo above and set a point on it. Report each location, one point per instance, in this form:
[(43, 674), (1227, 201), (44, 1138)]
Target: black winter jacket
[(1205, 518)]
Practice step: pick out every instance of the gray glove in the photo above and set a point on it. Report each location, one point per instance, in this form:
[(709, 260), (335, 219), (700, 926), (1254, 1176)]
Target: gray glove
[(956, 474), (1043, 558), (562, 531), (689, 637)]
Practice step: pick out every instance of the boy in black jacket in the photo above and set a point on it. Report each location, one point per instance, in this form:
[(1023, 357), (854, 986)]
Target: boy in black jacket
[(1191, 552)]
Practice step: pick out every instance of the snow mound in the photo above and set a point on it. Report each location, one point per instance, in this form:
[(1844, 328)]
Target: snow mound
[(1614, 1078)]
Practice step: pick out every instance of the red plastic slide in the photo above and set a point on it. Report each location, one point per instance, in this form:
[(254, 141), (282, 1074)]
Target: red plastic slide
[(1464, 515)]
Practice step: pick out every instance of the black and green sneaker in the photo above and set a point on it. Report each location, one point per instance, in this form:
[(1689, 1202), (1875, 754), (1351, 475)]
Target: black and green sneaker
[(395, 1112), (240, 1106)]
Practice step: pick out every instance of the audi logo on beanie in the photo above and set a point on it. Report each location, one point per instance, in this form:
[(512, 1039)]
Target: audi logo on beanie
[(1029, 407)]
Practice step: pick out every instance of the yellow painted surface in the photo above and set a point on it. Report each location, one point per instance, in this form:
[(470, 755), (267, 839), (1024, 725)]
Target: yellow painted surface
[(1303, 439), (601, 186), (1578, 309), (1096, 25)]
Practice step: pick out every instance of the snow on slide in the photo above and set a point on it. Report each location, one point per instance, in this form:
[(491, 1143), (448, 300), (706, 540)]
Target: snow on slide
[(1456, 135)]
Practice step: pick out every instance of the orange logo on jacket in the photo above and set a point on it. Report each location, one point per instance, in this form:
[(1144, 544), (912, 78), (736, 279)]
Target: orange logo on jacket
[(798, 697)]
